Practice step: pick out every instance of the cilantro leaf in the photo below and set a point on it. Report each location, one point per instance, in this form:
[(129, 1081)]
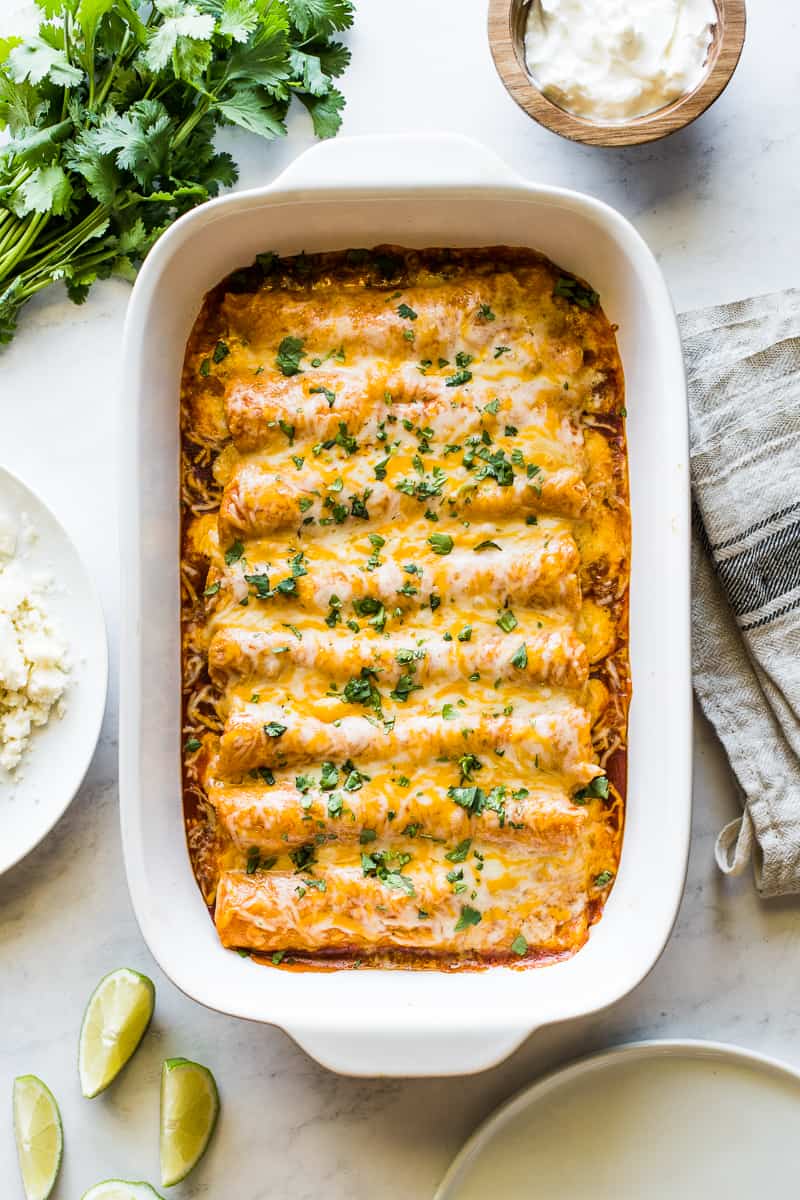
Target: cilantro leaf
[(469, 916), (253, 110), (320, 17), (35, 60), (180, 37), (326, 112), (238, 19), (290, 352)]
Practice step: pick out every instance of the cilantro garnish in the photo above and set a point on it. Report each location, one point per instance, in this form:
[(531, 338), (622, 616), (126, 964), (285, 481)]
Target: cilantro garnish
[(461, 851), (596, 790), (361, 690), (408, 314), (289, 354), (440, 543), (576, 293), (274, 729), (469, 916), (507, 621), (519, 658), (386, 865)]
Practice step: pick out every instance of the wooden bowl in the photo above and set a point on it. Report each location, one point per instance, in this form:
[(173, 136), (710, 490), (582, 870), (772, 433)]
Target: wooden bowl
[(507, 19)]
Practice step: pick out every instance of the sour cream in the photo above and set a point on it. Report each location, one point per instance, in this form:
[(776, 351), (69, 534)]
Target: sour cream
[(612, 60)]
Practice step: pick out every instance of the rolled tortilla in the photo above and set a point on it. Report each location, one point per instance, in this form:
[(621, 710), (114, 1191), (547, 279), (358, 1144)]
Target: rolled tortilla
[(555, 656)]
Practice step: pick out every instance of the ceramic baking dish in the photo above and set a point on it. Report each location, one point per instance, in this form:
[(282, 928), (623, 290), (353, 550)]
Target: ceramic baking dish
[(417, 191)]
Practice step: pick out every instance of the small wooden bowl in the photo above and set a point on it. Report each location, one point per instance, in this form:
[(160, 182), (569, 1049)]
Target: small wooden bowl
[(507, 19)]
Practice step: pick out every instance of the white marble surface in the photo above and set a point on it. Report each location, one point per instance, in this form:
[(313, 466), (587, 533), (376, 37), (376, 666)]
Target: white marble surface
[(719, 203)]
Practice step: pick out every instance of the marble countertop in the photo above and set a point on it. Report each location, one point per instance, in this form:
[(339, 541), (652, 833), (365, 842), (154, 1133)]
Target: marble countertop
[(718, 203)]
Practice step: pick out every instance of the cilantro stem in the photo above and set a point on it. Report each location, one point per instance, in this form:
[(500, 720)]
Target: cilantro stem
[(194, 119), (32, 225), (109, 79)]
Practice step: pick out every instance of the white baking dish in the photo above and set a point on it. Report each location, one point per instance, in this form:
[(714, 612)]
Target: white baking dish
[(419, 191)]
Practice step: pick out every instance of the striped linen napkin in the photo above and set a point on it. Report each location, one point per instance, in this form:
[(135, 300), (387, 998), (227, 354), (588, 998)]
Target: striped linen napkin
[(743, 367)]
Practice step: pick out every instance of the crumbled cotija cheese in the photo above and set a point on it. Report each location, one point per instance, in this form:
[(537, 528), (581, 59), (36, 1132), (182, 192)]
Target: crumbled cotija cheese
[(33, 656)]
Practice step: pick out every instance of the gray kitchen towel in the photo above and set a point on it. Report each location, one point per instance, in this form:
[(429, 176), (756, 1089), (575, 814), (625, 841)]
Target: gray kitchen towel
[(743, 368)]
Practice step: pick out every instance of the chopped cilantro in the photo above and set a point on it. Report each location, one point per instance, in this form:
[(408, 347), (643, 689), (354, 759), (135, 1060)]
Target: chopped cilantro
[(304, 856), (519, 946), (519, 658), (334, 805), (596, 790), (274, 729), (326, 392), (461, 851), (329, 777), (406, 312), (469, 916), (570, 289), (405, 685), (507, 621), (440, 543), (289, 354)]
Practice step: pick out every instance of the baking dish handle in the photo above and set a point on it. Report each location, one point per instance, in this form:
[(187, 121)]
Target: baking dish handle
[(409, 1053), (400, 161)]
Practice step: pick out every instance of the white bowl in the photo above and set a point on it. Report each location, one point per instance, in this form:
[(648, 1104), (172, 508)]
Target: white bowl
[(421, 191), (41, 789)]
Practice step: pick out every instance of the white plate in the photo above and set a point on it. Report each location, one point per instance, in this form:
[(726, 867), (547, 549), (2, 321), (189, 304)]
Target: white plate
[(648, 1121), (59, 753)]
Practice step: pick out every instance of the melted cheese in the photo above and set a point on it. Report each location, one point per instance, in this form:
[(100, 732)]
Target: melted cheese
[(405, 570)]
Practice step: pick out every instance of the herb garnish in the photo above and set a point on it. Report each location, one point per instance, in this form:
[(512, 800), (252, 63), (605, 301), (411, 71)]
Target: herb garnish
[(570, 289), (469, 916), (507, 621), (596, 790), (440, 543), (289, 354)]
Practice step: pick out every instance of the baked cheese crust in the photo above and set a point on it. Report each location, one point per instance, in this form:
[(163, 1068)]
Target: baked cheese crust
[(405, 566)]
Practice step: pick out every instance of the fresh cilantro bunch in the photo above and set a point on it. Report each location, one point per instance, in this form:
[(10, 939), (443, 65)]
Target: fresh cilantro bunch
[(112, 109)]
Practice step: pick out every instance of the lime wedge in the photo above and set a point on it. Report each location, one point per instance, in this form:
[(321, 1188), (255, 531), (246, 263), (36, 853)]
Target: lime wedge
[(121, 1189), (189, 1111), (115, 1021), (40, 1142)]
